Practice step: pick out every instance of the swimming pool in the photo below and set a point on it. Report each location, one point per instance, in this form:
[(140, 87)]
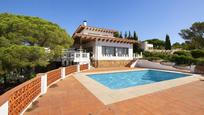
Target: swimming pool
[(121, 80)]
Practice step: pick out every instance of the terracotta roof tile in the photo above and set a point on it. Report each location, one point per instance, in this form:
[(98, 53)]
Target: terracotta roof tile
[(81, 27), (103, 38)]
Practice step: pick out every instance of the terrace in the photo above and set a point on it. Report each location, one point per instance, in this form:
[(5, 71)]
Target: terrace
[(69, 96)]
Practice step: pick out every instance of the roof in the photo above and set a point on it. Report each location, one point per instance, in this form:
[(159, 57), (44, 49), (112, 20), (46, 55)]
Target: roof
[(103, 38), (82, 27)]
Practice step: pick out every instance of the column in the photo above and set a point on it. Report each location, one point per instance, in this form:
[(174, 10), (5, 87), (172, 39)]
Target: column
[(4, 108), (43, 83), (62, 72)]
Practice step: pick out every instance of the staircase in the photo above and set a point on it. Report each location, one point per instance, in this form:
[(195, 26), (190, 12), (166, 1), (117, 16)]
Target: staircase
[(130, 63), (133, 64)]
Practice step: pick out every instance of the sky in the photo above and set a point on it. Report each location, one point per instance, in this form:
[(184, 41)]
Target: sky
[(149, 18)]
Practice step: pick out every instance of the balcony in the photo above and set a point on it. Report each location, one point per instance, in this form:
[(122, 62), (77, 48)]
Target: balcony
[(76, 56), (81, 57)]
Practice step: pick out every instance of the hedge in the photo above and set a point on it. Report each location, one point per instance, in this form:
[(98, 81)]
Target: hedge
[(198, 53), (152, 58), (199, 61), (183, 53), (179, 57), (161, 55), (182, 59)]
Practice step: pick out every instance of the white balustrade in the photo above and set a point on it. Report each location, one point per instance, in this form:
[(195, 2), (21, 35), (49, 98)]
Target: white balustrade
[(43, 83)]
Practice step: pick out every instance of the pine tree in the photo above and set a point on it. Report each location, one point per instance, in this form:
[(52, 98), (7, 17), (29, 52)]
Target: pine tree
[(167, 43), (125, 35), (135, 37), (121, 35)]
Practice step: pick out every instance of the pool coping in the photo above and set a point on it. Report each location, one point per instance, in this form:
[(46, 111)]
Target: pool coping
[(110, 96)]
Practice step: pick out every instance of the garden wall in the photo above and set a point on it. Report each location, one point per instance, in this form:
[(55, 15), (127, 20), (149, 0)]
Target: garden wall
[(199, 69), (18, 99)]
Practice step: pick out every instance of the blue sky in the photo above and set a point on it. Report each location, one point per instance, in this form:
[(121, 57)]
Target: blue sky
[(149, 18)]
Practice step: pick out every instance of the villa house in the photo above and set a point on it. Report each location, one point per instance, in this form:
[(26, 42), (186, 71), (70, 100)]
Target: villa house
[(146, 46), (105, 49)]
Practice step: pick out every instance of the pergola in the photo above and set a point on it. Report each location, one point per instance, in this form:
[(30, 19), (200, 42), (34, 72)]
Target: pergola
[(86, 38)]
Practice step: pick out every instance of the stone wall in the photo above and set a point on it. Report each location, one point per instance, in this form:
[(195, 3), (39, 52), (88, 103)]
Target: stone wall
[(199, 69), (111, 63)]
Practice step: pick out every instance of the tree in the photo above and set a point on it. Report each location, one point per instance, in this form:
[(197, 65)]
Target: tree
[(33, 31), (125, 35), (167, 43), (135, 37), (17, 57), (176, 45), (194, 35), (187, 46), (121, 35), (157, 43), (129, 35), (23, 40), (116, 34)]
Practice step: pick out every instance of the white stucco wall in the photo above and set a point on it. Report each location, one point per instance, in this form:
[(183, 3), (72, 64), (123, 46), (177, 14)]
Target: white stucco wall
[(147, 46), (98, 50)]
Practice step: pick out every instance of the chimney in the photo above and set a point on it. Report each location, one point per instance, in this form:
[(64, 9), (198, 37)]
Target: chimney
[(85, 23)]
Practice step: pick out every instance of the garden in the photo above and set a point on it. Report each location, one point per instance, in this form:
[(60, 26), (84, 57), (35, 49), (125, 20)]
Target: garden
[(182, 58)]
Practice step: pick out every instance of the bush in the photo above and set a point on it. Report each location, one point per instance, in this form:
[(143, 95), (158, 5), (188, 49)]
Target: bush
[(152, 58), (161, 55), (197, 53), (183, 53), (199, 61), (182, 60), (147, 54)]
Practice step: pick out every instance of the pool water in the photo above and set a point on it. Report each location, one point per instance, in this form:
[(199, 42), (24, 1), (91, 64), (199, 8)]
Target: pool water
[(120, 80)]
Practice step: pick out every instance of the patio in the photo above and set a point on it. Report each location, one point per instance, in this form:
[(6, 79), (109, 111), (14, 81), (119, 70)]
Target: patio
[(70, 97)]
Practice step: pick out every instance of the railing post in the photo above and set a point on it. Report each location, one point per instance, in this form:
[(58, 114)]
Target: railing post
[(62, 72), (43, 83), (78, 67), (4, 109)]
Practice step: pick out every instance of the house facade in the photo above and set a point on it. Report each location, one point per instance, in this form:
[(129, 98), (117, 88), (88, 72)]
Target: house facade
[(105, 49), (146, 46)]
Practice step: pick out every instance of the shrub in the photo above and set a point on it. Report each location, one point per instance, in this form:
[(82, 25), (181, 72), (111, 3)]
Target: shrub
[(198, 53), (152, 58), (199, 61), (161, 55), (183, 53), (182, 59), (147, 54)]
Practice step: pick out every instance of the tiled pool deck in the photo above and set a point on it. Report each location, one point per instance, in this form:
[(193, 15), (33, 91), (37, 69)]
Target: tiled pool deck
[(70, 97)]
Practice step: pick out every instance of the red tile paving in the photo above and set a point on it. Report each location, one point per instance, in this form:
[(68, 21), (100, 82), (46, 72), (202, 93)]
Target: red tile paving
[(69, 97)]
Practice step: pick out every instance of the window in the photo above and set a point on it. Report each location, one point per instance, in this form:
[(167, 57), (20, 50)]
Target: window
[(113, 51), (107, 50), (122, 51)]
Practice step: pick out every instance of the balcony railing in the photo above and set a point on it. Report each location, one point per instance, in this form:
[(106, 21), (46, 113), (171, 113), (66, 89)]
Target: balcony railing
[(137, 56), (81, 57)]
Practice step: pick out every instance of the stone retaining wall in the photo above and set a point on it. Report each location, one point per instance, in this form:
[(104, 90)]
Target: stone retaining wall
[(199, 69), (111, 63)]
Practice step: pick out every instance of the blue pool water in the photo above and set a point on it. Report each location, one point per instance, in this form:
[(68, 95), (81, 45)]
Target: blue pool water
[(134, 78)]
